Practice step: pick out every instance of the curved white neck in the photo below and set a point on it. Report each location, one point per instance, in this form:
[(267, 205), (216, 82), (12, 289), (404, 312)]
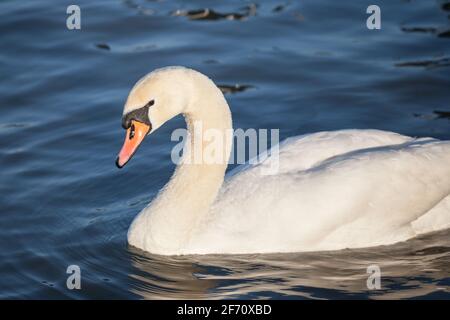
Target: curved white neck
[(186, 199)]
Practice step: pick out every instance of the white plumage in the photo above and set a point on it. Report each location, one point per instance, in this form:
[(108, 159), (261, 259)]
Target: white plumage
[(333, 190)]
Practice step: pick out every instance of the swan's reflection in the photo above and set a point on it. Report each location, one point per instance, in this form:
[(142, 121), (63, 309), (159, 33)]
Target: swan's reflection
[(416, 268)]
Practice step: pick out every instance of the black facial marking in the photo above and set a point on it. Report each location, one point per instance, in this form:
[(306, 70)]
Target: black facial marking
[(140, 115)]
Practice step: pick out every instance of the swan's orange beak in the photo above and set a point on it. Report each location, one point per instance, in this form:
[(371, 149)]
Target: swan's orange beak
[(135, 135)]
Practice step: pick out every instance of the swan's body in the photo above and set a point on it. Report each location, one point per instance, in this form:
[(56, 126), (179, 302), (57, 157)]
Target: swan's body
[(333, 190)]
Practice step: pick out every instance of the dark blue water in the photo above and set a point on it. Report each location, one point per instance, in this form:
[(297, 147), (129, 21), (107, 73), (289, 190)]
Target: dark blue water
[(299, 66)]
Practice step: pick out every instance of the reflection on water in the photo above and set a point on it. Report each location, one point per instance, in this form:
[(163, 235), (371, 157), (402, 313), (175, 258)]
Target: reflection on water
[(408, 270), (297, 66)]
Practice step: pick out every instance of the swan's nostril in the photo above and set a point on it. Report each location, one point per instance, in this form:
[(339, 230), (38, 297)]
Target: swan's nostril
[(131, 136)]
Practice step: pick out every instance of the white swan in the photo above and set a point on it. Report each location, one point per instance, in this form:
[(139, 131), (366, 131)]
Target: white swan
[(333, 190)]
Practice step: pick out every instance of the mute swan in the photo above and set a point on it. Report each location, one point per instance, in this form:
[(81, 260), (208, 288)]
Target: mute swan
[(333, 190)]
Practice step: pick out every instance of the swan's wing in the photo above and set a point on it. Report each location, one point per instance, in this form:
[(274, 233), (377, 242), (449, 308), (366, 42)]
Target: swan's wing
[(362, 198), (384, 190), (437, 218), (305, 151)]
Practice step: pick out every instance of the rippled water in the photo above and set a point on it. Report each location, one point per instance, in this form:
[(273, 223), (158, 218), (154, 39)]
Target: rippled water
[(299, 66)]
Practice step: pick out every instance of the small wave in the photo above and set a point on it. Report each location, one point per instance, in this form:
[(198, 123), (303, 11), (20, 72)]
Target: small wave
[(210, 14), (430, 63), (235, 88)]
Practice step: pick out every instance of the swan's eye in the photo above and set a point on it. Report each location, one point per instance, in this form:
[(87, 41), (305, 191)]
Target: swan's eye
[(131, 132), (150, 103)]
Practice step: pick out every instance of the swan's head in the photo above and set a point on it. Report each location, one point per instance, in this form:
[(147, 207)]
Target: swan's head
[(154, 99)]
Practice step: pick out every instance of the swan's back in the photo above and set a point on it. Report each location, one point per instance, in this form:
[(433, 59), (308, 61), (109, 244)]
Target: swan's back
[(333, 190), (303, 152)]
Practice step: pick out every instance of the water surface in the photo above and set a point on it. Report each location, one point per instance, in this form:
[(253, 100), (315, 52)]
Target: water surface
[(299, 66)]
